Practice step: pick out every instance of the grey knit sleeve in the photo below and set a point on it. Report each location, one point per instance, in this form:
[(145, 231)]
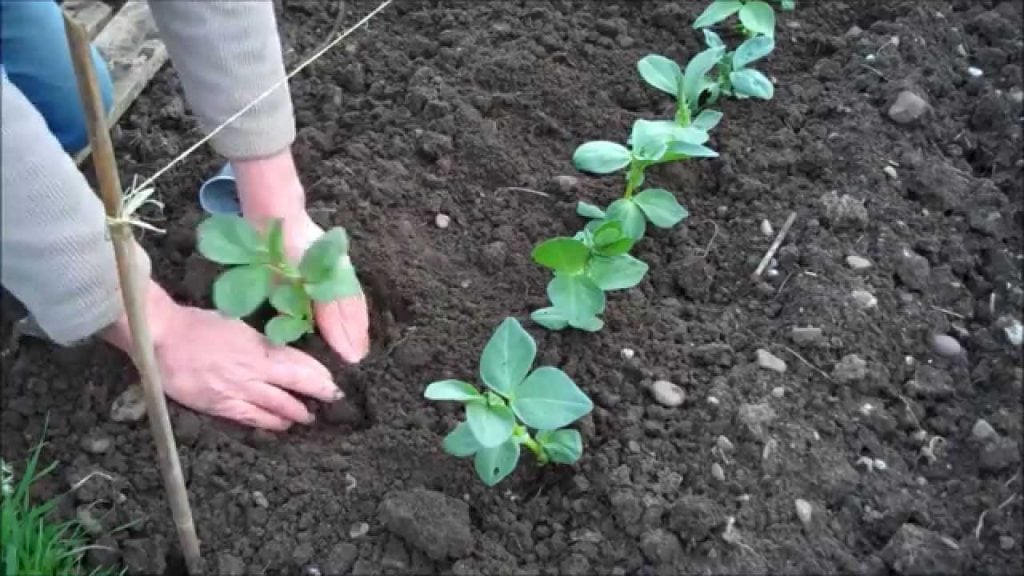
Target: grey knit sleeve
[(227, 53), (56, 257)]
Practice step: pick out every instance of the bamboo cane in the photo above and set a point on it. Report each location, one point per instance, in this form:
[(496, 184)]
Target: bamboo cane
[(133, 292)]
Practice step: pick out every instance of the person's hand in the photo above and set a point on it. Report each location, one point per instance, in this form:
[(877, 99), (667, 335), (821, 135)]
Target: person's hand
[(223, 367), (269, 188), (343, 323)]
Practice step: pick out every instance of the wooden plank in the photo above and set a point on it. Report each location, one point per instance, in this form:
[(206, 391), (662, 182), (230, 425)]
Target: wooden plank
[(92, 14), (134, 52)]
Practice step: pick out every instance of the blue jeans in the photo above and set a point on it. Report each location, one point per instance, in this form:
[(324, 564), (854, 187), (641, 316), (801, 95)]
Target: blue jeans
[(34, 56)]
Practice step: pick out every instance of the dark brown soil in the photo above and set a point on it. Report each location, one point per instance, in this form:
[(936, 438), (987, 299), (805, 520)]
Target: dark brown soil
[(439, 107)]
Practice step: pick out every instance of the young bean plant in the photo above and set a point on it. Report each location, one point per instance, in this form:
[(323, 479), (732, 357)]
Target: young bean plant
[(755, 16), (260, 270), (498, 419)]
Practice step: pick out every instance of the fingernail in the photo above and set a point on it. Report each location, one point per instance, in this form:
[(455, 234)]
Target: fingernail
[(338, 394), (311, 419)]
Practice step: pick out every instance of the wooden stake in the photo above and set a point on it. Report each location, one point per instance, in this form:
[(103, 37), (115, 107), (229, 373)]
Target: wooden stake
[(133, 291), (774, 247)]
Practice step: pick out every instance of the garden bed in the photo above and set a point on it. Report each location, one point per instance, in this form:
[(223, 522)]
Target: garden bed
[(455, 108)]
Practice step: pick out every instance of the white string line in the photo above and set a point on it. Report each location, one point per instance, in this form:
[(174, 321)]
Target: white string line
[(267, 92)]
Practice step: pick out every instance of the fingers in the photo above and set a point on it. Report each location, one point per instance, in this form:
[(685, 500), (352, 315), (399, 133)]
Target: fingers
[(299, 372), (250, 415), (278, 402), (345, 325)]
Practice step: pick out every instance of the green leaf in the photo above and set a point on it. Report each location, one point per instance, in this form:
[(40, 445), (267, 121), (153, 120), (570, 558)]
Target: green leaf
[(239, 291), (549, 318), (685, 150), (291, 299), (662, 73), (758, 17), (281, 330), (648, 139), (453, 390), (707, 120), (718, 10), (460, 442), (752, 83), (322, 257), (753, 49), (575, 297), (565, 255), (589, 210), (628, 213), (549, 399), (610, 240), (275, 241), (507, 357), (562, 446), (689, 135), (491, 424), (712, 39), (494, 464), (694, 77), (616, 273), (341, 283), (661, 207), (592, 324), (229, 239), (601, 157)]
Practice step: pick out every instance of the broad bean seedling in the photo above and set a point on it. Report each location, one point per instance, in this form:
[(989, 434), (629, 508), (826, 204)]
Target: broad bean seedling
[(498, 420), (260, 270)]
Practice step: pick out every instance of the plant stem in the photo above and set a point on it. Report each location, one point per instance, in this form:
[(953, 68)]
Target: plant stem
[(636, 169), (525, 439)]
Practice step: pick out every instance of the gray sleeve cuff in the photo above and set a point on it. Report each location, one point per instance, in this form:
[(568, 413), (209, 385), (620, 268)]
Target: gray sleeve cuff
[(227, 53)]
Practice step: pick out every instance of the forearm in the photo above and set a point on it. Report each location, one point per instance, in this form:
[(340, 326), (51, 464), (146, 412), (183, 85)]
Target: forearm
[(227, 53), (57, 259)]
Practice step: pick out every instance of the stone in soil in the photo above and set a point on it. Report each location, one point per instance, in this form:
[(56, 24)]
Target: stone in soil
[(913, 269), (661, 547), (804, 511), (864, 299), (983, 431), (430, 521), (945, 346), (916, 551), (769, 361), (341, 558), (858, 263), (806, 335), (851, 368), (130, 406), (908, 108), (844, 212), (667, 393), (96, 442), (931, 382)]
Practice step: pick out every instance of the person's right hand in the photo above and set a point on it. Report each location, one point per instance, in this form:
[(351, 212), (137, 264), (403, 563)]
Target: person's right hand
[(224, 367)]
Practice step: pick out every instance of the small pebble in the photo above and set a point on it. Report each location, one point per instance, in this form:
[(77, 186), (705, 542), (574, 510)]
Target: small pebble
[(975, 72), (945, 346), (358, 530), (627, 353), (769, 361), (890, 172), (442, 221), (864, 299), (1013, 329), (803, 511), (130, 406), (260, 500), (982, 430), (1006, 542), (724, 444), (88, 522), (713, 400), (717, 473), (667, 393), (766, 228), (921, 481), (879, 464), (778, 392), (919, 436), (858, 263), (96, 443), (961, 50)]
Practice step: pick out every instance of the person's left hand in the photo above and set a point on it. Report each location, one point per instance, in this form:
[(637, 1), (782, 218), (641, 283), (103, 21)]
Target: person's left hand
[(269, 188), (343, 323)]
